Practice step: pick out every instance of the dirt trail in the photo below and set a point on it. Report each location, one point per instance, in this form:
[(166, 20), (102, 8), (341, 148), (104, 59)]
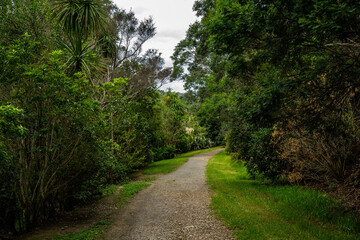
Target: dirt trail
[(77, 220), (174, 207)]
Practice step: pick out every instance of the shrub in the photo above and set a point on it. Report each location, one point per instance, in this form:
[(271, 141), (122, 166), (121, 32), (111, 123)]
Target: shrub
[(314, 156), (165, 152)]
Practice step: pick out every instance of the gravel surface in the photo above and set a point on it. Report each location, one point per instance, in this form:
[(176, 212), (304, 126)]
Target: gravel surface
[(175, 206)]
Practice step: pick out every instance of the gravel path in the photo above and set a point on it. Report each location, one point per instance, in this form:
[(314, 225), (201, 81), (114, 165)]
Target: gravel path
[(175, 206)]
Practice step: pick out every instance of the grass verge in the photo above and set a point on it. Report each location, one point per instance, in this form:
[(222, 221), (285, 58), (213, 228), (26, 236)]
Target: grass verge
[(257, 211), (95, 232), (170, 165), (109, 190), (129, 190)]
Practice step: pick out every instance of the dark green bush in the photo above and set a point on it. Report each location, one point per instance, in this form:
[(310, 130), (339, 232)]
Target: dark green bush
[(165, 152)]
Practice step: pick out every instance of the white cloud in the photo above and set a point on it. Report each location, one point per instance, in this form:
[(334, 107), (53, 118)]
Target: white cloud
[(174, 34), (140, 10), (172, 19)]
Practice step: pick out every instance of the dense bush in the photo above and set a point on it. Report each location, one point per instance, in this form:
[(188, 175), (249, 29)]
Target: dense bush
[(59, 149), (9, 127), (292, 71), (77, 111)]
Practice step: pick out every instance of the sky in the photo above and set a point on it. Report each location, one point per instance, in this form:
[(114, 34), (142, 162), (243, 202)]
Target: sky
[(172, 19)]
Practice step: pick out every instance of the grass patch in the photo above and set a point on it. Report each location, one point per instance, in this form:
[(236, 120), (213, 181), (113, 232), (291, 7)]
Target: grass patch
[(93, 233), (129, 190), (109, 190), (170, 165), (257, 211), (149, 179)]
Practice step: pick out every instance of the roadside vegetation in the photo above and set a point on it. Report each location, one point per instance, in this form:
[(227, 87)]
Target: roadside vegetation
[(96, 232), (278, 83), (80, 107), (255, 210)]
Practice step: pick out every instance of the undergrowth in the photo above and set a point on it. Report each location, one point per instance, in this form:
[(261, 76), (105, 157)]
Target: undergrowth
[(95, 232)]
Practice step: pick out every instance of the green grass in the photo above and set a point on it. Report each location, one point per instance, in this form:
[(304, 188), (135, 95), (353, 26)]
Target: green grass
[(95, 232), (257, 211), (149, 179), (170, 165), (129, 190)]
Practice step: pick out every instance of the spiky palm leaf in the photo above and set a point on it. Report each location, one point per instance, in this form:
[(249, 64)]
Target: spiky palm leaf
[(80, 17), (81, 57)]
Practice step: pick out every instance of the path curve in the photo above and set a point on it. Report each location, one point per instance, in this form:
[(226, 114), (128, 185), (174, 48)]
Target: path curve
[(175, 206)]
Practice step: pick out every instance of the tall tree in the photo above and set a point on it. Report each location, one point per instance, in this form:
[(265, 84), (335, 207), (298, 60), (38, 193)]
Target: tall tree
[(80, 20)]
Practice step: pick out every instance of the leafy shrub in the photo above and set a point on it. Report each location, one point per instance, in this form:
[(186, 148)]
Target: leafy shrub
[(53, 160), (165, 152), (201, 142), (9, 127), (256, 150), (213, 114), (183, 142)]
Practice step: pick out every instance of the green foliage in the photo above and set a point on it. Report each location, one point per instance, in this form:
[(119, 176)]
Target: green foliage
[(80, 17), (289, 67), (212, 116), (10, 120), (60, 131), (199, 140), (281, 212), (79, 106), (9, 127), (172, 129), (19, 17), (165, 152), (78, 143), (109, 190)]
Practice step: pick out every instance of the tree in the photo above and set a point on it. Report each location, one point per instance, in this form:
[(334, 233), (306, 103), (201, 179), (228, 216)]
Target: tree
[(80, 20), (62, 139), (18, 17), (289, 65), (145, 72), (61, 130)]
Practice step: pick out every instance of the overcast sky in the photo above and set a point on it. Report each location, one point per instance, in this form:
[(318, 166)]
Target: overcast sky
[(172, 19)]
